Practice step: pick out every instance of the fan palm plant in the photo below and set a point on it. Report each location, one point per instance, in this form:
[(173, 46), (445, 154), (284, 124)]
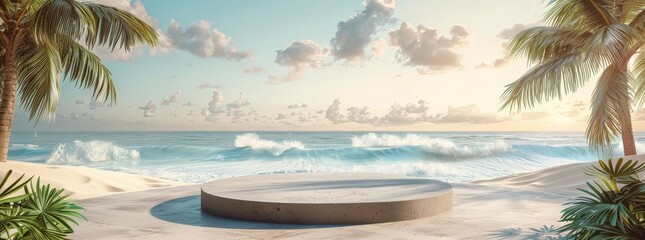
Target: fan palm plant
[(45, 41), (584, 38), (613, 208), (38, 212)]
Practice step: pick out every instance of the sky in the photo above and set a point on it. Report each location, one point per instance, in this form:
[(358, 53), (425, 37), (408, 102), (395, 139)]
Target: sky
[(334, 65)]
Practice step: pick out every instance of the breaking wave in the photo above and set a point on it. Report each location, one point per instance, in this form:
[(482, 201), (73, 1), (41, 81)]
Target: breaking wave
[(91, 151), (253, 141), (439, 146)]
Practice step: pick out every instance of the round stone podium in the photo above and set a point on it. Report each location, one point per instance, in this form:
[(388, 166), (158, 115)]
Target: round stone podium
[(326, 198)]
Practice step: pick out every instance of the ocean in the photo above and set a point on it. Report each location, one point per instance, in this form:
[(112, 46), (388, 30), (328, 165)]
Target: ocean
[(202, 156)]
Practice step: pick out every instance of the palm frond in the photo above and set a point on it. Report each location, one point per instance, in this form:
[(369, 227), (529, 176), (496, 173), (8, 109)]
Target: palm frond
[(51, 209), (580, 14), (6, 192), (39, 68), (636, 17), (117, 28), (638, 69), (551, 79), (61, 17), (609, 105), (621, 172), (630, 10), (86, 70), (612, 43), (7, 7), (606, 211), (543, 43)]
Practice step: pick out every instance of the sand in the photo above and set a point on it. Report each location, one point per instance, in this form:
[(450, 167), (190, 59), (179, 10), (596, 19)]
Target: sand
[(520, 206), (84, 182)]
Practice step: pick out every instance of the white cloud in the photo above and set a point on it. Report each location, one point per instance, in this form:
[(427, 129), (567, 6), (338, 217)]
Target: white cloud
[(422, 47), (467, 114), (296, 106), (149, 110), (333, 113), (72, 116), (172, 99), (204, 41), (281, 116), (239, 103), (96, 104), (215, 107), (356, 33), (378, 48), (408, 114), (360, 115), (506, 34), (299, 56), (397, 114), (75, 115), (235, 109), (135, 7), (303, 119)]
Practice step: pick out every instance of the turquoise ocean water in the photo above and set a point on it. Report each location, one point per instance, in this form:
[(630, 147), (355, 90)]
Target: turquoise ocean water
[(202, 156)]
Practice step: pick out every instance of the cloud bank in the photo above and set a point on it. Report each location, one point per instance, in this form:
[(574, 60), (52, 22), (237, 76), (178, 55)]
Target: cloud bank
[(425, 49)]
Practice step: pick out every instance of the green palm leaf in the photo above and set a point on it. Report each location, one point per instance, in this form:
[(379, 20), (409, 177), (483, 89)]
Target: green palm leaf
[(613, 208), (580, 14), (552, 79), (609, 107), (86, 70), (544, 43), (585, 37), (51, 209), (117, 28), (41, 43), (39, 78), (61, 17)]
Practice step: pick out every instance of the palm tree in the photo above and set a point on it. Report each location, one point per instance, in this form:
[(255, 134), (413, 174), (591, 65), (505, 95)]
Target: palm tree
[(45, 41), (582, 39)]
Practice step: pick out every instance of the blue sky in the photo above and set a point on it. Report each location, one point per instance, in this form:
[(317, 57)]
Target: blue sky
[(271, 65)]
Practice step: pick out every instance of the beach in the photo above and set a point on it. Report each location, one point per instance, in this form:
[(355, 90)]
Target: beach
[(126, 206)]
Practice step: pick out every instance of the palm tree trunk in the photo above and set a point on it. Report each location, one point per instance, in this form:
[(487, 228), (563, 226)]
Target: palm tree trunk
[(8, 102), (627, 133)]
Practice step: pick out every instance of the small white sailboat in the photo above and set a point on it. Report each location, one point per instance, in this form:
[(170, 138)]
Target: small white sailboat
[(36, 134)]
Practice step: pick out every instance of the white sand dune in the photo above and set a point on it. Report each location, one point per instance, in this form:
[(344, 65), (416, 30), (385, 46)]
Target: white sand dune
[(84, 182), (503, 208), (563, 179)]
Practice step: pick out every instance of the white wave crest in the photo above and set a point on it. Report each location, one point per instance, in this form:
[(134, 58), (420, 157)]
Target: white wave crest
[(440, 146), (91, 151), (254, 141)]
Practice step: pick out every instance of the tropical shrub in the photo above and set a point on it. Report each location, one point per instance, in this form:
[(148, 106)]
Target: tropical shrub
[(31, 210), (613, 207)]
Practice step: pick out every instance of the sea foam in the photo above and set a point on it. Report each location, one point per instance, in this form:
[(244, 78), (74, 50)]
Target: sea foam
[(440, 146), (91, 151), (253, 141)]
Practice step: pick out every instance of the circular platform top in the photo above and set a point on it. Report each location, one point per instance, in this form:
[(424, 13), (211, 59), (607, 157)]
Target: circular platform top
[(326, 188)]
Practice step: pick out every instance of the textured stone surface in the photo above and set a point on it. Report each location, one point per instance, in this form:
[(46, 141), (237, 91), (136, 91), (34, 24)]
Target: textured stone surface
[(326, 198)]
